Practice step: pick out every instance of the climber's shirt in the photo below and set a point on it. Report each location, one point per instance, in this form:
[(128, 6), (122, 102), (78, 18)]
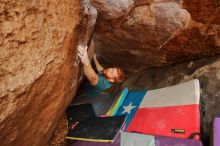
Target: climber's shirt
[(103, 84)]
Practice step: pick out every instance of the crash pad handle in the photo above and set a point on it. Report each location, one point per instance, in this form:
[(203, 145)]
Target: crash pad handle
[(195, 136)]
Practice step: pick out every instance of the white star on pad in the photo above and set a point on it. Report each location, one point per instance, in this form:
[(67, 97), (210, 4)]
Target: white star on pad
[(127, 109)]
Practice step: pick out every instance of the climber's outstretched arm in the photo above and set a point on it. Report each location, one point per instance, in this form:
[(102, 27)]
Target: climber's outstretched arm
[(90, 74), (89, 71)]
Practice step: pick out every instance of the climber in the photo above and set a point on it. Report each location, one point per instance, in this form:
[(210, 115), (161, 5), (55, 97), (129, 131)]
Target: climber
[(105, 78)]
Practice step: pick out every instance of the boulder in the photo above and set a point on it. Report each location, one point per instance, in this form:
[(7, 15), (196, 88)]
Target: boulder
[(39, 67), (111, 9), (156, 33)]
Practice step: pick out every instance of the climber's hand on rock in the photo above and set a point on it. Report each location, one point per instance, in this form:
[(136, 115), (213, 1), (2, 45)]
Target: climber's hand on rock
[(83, 55)]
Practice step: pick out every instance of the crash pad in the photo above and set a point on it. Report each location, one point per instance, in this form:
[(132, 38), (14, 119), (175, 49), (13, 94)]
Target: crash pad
[(117, 102), (77, 113), (131, 105), (216, 126), (171, 111), (92, 143), (136, 139), (98, 129), (102, 102)]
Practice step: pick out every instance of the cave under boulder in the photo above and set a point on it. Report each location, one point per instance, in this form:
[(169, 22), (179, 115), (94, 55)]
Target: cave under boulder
[(156, 32)]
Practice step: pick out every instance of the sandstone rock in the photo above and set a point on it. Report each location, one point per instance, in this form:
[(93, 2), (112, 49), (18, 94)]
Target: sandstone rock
[(206, 70), (111, 9), (38, 66), (206, 11), (158, 33), (87, 26), (162, 20)]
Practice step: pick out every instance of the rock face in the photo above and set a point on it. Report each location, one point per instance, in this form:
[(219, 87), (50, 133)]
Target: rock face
[(111, 9), (206, 70), (39, 70), (156, 32)]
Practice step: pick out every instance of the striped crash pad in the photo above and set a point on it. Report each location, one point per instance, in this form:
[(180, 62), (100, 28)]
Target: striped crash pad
[(171, 111), (135, 139), (103, 103), (117, 103)]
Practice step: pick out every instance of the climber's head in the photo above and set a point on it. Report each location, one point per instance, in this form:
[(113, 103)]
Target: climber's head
[(114, 75)]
